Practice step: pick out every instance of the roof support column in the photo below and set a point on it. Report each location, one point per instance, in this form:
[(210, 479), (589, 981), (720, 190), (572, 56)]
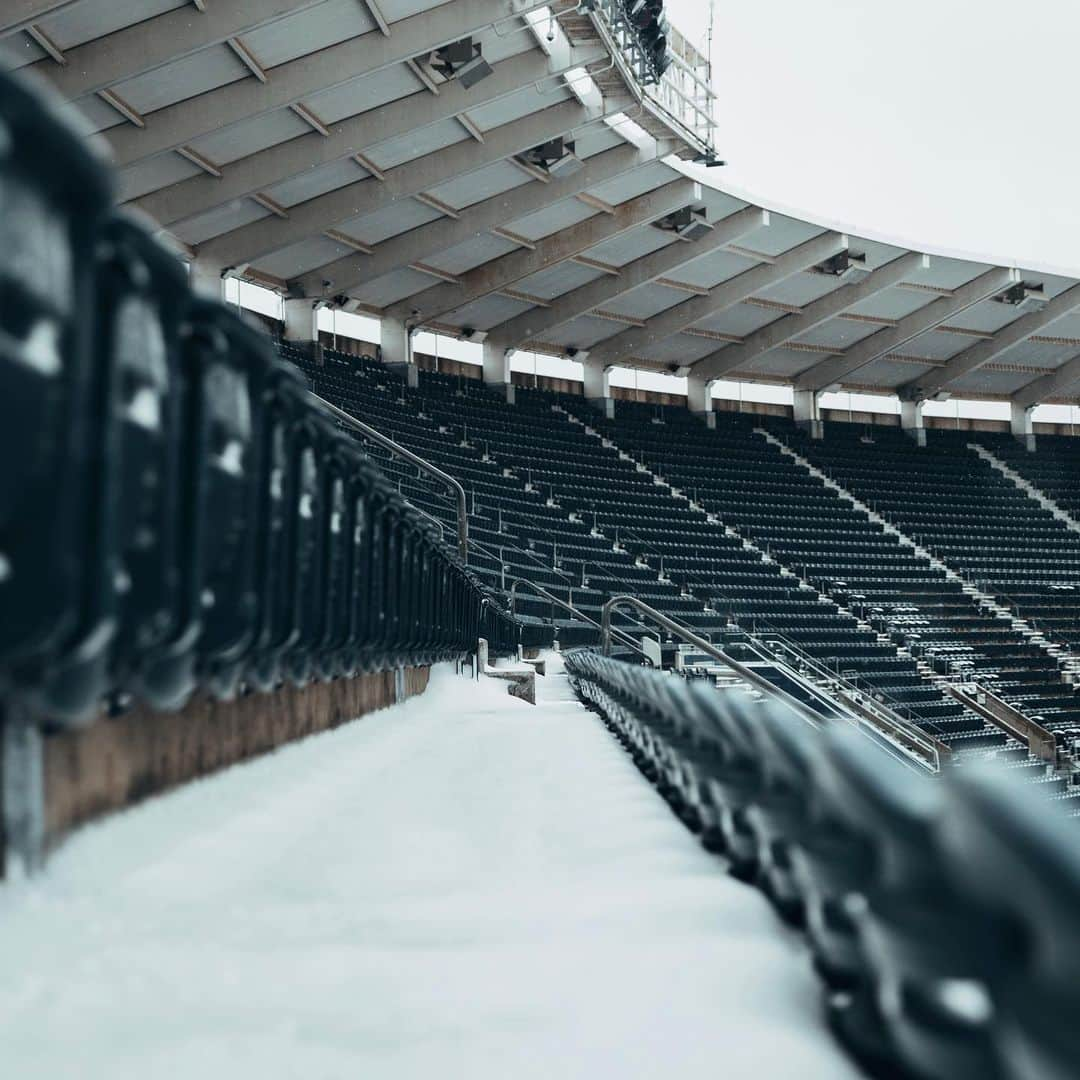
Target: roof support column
[(497, 367), (699, 398), (395, 350), (911, 420), (808, 413), (1021, 424), (301, 321), (598, 386)]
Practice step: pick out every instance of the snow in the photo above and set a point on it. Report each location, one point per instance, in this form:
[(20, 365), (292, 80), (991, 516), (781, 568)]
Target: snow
[(464, 886)]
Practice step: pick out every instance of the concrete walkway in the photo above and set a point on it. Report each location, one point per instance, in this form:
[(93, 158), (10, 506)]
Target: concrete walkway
[(464, 886)]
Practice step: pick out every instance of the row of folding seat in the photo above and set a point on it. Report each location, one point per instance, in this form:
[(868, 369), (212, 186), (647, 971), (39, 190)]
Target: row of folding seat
[(943, 917), (175, 512)]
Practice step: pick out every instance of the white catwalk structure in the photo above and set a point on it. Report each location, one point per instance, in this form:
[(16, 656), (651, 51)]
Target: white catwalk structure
[(464, 886), (517, 174)]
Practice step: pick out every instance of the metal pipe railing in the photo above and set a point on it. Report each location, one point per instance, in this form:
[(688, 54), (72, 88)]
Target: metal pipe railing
[(625, 638), (387, 443), (759, 682)]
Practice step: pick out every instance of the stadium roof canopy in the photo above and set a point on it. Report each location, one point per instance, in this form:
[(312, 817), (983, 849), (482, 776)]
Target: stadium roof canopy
[(362, 154)]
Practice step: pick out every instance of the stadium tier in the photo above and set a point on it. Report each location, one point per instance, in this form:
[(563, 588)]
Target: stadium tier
[(846, 654)]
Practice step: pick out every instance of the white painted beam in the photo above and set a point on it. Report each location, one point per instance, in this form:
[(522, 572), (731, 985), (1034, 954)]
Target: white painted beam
[(499, 273), (737, 357), (838, 367), (975, 356), (720, 298), (297, 79)]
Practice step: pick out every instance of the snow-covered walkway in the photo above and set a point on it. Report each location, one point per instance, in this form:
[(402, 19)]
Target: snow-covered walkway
[(460, 887)]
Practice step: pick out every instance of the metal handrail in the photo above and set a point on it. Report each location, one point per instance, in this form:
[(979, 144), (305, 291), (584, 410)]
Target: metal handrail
[(707, 647), (883, 702), (627, 640), (387, 443)]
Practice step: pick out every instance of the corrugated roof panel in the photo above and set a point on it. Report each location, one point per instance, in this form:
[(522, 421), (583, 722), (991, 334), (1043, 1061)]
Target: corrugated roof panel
[(95, 18), (395, 10), (185, 78), (583, 332), (994, 383), (558, 279), (514, 106), (636, 182), (485, 183), (308, 31), (1037, 354), (889, 373), (936, 345), (990, 316), (679, 349), (945, 273), (628, 246), (307, 255), (392, 220), (561, 215), (221, 219), (783, 234), (250, 136), (152, 173), (741, 320), (487, 312), (801, 289), (646, 301), (417, 143), (781, 362), (711, 269), (18, 50), (894, 303), (393, 287), (473, 252), (595, 139), (365, 93), (499, 45), (317, 181), (839, 334)]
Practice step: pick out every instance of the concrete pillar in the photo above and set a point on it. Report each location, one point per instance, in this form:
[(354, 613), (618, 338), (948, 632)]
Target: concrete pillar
[(1021, 423), (497, 367), (808, 413), (598, 387), (395, 348), (911, 420), (301, 321), (699, 398), (206, 278)]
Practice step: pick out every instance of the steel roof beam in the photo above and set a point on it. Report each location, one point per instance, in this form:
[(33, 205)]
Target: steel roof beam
[(737, 357), (1049, 385), (530, 325), (719, 298), (245, 99), (297, 156), (160, 40), (351, 272), (499, 273), (975, 356), (247, 243), (839, 366)]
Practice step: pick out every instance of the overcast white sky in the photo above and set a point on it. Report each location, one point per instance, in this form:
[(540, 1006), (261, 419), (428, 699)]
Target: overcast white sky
[(948, 123)]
